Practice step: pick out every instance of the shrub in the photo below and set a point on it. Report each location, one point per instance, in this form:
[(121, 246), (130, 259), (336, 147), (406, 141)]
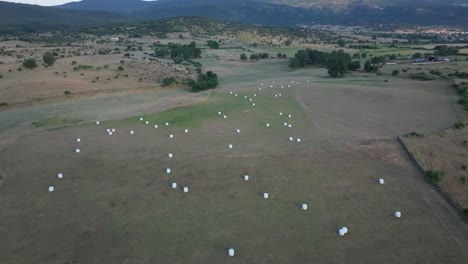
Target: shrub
[(3, 104), (205, 82), (434, 176), (459, 125), (67, 92), (421, 76), (1, 76), (414, 135), (169, 81), (29, 64), (48, 59), (121, 68), (464, 167), (395, 72), (465, 213)]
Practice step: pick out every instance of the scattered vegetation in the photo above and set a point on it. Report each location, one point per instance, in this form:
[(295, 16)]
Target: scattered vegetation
[(434, 176), (169, 81), (48, 58), (55, 121)]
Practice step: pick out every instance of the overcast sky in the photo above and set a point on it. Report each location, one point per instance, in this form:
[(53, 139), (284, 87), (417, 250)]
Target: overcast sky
[(42, 2)]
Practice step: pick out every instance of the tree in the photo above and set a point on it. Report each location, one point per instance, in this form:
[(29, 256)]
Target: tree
[(369, 67), (417, 55), (341, 43), (354, 66), (48, 59), (213, 44), (337, 63), (243, 56), (288, 42), (30, 63), (395, 72), (364, 55), (294, 63)]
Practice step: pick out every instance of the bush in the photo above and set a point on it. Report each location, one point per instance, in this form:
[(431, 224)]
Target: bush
[(459, 125), (243, 56), (434, 176), (395, 72), (169, 81), (421, 76), (30, 64), (67, 92), (465, 213), (3, 104), (205, 82), (121, 68), (1, 76), (213, 44), (48, 59)]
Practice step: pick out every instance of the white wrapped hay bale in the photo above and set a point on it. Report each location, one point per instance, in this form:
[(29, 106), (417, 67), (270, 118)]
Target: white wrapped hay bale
[(186, 130), (219, 113), (224, 116), (291, 139), (174, 185), (253, 104), (97, 122), (265, 195), (60, 175), (289, 115), (255, 95), (171, 136), (298, 140), (132, 132), (113, 130), (250, 99), (147, 122), (246, 177), (304, 206), (285, 124), (245, 96), (267, 125), (397, 214), (230, 92), (108, 130), (141, 118), (185, 189), (51, 188), (345, 229), (167, 123), (77, 150), (78, 140), (238, 130), (230, 146), (110, 133), (261, 84), (341, 232), (168, 170), (235, 95), (381, 181), (170, 155), (289, 125), (279, 95), (276, 95), (260, 88)]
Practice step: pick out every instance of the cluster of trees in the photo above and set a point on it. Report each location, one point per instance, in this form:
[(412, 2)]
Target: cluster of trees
[(435, 176), (205, 81), (281, 56), (213, 44), (255, 56), (178, 52), (445, 50), (169, 81), (338, 63), (461, 75), (462, 90)]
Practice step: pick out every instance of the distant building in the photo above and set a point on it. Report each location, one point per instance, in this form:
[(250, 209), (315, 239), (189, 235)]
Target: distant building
[(114, 39)]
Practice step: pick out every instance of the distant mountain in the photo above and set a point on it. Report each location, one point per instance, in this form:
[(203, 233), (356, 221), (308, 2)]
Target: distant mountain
[(33, 15), (292, 12)]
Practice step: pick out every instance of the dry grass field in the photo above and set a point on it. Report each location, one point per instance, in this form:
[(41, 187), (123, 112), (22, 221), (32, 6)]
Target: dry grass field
[(115, 203)]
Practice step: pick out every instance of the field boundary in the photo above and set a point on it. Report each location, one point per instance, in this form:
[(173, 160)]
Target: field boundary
[(458, 208)]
